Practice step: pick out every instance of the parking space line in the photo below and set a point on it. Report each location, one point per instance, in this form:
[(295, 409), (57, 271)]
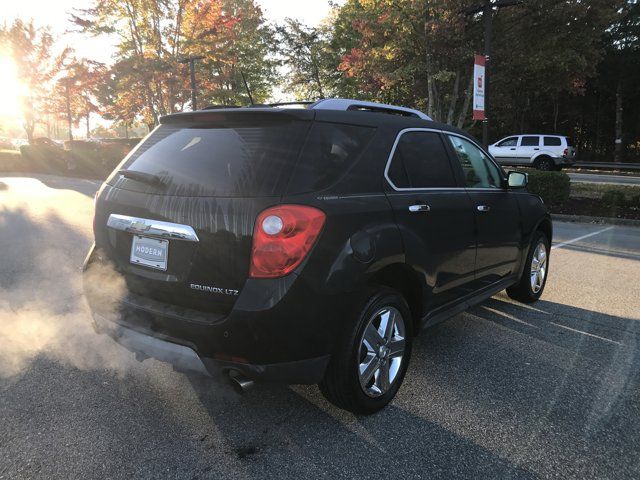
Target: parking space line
[(586, 333), (574, 240), (509, 317)]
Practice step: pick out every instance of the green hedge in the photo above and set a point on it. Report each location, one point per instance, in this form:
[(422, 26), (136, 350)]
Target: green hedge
[(553, 187)]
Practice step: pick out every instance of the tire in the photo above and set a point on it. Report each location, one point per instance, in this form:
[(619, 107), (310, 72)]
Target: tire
[(545, 164), (342, 383), (526, 290)]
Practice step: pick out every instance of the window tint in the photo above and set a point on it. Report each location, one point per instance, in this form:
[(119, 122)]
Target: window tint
[(328, 153), (250, 160), (530, 141), (509, 142), (479, 171), (421, 161), (552, 141)]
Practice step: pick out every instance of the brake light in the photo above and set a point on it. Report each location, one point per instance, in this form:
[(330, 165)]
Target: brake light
[(282, 238), (566, 152)]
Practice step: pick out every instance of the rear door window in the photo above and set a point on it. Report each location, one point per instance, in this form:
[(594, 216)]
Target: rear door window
[(247, 160), (530, 141), (552, 141), (420, 160)]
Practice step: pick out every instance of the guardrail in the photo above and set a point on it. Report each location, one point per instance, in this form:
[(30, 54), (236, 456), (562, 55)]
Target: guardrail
[(608, 166)]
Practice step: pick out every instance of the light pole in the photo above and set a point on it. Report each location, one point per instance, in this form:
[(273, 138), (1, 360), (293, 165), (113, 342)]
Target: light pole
[(487, 16), (191, 60)]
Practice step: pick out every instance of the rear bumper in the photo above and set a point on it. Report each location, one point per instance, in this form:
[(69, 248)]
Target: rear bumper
[(278, 330), (565, 161), (183, 358)]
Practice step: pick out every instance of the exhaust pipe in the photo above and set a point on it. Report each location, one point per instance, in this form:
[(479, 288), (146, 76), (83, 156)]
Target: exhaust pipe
[(239, 382)]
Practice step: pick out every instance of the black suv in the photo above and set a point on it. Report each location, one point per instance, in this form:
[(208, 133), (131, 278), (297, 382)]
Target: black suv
[(308, 245)]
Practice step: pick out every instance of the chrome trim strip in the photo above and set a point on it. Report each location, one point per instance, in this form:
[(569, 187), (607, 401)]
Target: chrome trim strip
[(152, 228)]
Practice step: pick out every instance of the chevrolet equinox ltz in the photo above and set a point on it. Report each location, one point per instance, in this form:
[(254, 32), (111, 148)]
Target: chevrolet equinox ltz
[(310, 245)]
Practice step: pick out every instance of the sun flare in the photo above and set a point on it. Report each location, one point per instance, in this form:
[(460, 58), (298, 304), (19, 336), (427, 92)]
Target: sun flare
[(11, 89)]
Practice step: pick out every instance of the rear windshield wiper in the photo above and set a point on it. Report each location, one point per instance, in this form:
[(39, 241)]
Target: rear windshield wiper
[(148, 178)]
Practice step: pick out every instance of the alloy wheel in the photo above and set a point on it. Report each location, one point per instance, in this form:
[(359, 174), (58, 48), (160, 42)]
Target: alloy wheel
[(382, 349), (538, 267)]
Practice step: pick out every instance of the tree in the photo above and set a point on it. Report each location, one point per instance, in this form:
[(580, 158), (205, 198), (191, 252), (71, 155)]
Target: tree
[(307, 55), (81, 81), (406, 51), (31, 50), (155, 35)]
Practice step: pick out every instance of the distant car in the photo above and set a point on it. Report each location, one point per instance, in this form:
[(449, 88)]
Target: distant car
[(544, 152)]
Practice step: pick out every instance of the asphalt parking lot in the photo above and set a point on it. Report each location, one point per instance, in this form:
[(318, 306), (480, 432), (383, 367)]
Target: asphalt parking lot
[(505, 390)]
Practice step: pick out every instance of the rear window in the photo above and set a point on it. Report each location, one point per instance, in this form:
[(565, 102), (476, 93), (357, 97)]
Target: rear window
[(552, 141), (257, 160), (251, 160)]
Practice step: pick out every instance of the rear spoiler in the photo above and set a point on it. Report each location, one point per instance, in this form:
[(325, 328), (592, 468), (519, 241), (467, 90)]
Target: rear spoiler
[(239, 115)]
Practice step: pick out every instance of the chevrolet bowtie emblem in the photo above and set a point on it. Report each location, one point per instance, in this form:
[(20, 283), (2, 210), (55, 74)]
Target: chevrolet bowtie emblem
[(140, 226)]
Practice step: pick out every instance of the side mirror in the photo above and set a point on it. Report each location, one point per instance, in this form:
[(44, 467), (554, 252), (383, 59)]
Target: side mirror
[(517, 179)]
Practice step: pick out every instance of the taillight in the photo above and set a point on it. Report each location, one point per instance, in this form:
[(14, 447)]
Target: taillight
[(566, 152), (282, 238)]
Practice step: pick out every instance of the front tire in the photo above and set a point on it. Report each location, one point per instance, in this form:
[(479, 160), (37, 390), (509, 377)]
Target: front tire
[(369, 364), (534, 275)]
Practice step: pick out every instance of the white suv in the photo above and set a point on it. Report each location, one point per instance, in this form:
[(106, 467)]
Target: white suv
[(544, 152)]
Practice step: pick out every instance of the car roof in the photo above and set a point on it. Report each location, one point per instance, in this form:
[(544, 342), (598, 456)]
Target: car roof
[(356, 117), (349, 117), (535, 135)]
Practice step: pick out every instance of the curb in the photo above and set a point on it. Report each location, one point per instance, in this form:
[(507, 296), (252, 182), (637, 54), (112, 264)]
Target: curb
[(601, 220)]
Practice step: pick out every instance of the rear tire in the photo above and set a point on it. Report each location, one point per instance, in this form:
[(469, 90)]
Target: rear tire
[(545, 164), (371, 359), (534, 275)]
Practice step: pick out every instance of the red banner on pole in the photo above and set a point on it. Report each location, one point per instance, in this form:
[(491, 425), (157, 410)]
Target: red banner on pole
[(478, 88)]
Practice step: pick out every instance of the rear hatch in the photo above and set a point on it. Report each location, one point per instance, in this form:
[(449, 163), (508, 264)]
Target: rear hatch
[(177, 216), (570, 152)]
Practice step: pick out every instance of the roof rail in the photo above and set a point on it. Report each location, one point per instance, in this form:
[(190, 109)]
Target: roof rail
[(351, 104), (287, 104), (220, 107)]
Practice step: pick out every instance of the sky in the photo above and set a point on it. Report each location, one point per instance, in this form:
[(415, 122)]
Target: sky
[(56, 13)]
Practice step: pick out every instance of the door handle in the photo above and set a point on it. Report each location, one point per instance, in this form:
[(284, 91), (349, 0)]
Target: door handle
[(513, 148), (419, 208), (483, 208), (536, 148)]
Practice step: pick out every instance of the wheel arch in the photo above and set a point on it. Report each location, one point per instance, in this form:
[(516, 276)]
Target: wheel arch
[(404, 279), (540, 155), (545, 226)]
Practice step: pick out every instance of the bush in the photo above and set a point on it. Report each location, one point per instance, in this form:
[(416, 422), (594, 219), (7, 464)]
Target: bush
[(553, 187), (614, 198), (10, 160), (635, 201)]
